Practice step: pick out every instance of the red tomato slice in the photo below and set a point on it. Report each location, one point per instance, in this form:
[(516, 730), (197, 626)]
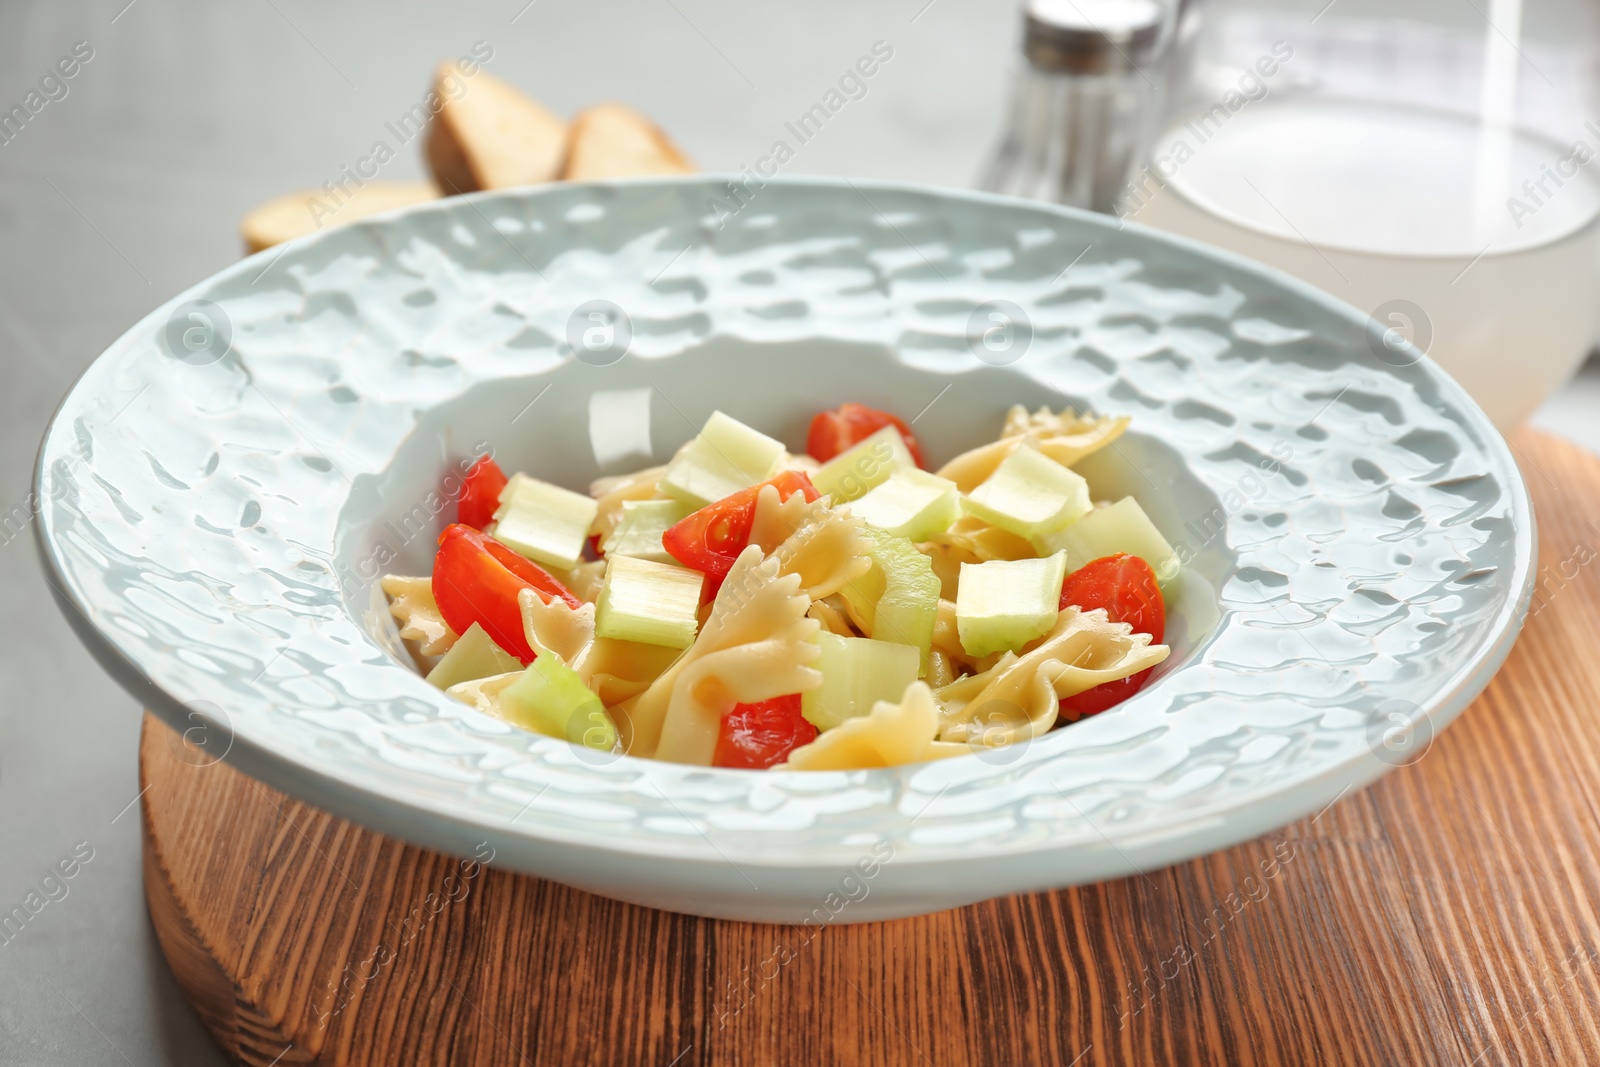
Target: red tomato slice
[(833, 432), (476, 579), (712, 538), (1126, 588), (480, 495), (761, 735)]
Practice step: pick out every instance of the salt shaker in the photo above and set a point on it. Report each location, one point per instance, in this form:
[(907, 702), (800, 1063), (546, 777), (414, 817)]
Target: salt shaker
[(1082, 100)]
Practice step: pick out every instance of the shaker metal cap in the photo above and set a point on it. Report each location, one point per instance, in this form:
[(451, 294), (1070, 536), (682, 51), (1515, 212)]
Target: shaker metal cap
[(1091, 36)]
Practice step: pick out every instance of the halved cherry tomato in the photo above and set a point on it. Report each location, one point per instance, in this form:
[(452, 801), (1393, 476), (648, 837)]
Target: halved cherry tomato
[(1126, 587), (833, 432), (712, 538), (761, 735), (480, 494), (476, 579)]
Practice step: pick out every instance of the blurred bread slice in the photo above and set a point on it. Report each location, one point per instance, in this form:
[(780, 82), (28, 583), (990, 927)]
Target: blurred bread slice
[(492, 137), (294, 215), (612, 141)]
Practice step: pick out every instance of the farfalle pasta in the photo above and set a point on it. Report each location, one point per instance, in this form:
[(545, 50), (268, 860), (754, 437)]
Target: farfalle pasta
[(1019, 697), (1065, 437), (827, 550), (747, 607), (905, 731), (755, 646), (416, 615)]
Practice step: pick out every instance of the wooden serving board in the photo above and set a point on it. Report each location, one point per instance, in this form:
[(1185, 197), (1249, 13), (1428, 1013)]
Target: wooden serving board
[(1445, 916)]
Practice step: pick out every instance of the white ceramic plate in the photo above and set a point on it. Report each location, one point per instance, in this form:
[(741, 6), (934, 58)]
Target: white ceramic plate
[(221, 487)]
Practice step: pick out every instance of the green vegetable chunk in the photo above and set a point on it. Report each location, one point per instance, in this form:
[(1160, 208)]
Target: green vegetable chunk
[(1030, 494), (652, 603), (857, 672), (551, 699), (1122, 527), (912, 504), (474, 655), (639, 532), (725, 457), (544, 522), (1003, 604), (850, 474), (898, 597)]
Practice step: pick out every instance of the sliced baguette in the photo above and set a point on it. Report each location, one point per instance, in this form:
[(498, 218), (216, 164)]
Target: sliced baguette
[(492, 136), (294, 215), (613, 141)]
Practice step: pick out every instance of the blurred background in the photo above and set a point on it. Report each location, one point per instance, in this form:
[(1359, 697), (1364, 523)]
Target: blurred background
[(1419, 160)]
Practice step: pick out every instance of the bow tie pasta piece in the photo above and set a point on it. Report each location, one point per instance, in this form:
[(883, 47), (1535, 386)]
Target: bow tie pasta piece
[(889, 735), (557, 628), (828, 550), (755, 645), (1020, 696), (619, 670), (417, 614), (777, 519), (1065, 437)]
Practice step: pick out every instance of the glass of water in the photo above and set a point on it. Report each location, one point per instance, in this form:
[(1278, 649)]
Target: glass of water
[(1434, 163)]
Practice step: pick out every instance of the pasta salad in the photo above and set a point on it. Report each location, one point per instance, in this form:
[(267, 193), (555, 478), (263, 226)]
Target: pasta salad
[(745, 607)]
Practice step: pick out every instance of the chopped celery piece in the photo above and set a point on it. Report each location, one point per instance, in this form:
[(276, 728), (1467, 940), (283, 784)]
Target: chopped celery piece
[(640, 529), (912, 504), (1030, 494), (898, 598), (544, 522), (868, 465), (474, 655), (652, 603), (863, 594), (725, 457), (552, 700), (1122, 527), (857, 672), (1003, 604)]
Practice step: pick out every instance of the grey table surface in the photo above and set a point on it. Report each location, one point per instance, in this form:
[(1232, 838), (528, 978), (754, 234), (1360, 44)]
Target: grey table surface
[(128, 189)]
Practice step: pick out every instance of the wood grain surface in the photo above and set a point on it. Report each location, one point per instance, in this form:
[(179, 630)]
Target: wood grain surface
[(1444, 916)]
